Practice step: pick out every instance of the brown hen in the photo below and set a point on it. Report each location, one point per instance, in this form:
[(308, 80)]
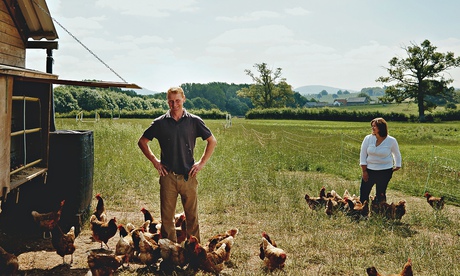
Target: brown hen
[(149, 251), (274, 257), (104, 263), (103, 231), (436, 202), (173, 254), (100, 209), (64, 243), (125, 245), (153, 223), (210, 262), (47, 221), (406, 271), (9, 264)]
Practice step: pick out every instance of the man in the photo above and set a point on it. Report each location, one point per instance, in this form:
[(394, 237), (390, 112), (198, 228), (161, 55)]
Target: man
[(176, 132)]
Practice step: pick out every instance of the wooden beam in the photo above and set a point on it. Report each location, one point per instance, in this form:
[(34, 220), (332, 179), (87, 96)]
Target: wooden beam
[(53, 45)]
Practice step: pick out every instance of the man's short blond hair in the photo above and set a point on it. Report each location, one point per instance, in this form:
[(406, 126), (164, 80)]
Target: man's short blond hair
[(176, 90)]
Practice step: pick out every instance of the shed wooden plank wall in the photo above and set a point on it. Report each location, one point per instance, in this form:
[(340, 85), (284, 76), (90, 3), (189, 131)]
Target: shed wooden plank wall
[(12, 48), (6, 88)]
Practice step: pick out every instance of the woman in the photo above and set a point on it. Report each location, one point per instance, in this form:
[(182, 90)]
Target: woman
[(379, 158)]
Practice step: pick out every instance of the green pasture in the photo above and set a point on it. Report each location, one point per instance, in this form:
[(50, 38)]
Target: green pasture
[(405, 107), (258, 176)]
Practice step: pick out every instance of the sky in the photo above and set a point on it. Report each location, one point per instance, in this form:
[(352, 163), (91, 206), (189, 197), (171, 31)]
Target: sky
[(158, 44)]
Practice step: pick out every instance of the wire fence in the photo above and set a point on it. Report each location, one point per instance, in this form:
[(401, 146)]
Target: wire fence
[(437, 171)]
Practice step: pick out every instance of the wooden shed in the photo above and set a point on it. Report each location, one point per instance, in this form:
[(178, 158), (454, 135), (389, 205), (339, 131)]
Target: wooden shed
[(26, 99)]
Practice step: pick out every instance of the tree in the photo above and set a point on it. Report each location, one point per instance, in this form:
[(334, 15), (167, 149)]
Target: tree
[(269, 88), (64, 101), (299, 100), (419, 76), (365, 95), (91, 100)]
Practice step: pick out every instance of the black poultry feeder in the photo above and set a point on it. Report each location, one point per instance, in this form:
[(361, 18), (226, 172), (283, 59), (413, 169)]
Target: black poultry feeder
[(70, 174)]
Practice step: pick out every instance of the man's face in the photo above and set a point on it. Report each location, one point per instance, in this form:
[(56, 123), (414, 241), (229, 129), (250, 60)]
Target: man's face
[(175, 102)]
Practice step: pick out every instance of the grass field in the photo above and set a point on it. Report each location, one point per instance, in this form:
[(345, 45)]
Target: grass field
[(260, 172)]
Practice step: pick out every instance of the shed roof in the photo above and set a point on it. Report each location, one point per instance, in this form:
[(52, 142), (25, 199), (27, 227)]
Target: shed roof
[(38, 20), (357, 100)]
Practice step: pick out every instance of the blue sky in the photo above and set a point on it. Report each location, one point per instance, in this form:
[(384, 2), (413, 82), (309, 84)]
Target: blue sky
[(159, 44)]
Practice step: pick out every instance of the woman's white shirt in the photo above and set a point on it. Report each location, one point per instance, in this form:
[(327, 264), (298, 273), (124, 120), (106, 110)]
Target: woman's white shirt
[(381, 157)]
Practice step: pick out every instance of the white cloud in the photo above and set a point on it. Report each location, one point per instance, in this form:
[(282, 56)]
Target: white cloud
[(147, 39), (296, 11), (245, 37), (153, 8), (253, 16)]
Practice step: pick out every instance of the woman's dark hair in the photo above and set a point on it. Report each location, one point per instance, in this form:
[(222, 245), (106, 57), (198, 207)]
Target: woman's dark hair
[(381, 125)]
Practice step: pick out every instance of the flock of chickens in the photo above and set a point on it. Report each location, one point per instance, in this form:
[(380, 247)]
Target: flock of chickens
[(144, 244), (350, 205)]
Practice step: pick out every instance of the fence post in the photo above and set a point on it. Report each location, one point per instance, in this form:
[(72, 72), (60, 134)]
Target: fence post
[(341, 149), (430, 168)]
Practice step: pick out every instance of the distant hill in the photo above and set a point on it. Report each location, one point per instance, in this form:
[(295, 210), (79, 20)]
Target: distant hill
[(143, 91), (316, 89)]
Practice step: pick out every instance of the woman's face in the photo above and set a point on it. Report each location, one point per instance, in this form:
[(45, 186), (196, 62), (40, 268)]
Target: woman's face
[(375, 129)]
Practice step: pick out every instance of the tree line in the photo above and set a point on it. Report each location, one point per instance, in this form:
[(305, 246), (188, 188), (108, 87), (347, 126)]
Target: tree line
[(214, 95)]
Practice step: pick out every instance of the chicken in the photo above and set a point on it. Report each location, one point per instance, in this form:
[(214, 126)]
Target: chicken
[(210, 262), (104, 263), (332, 206), (274, 257), (228, 241), (64, 243), (262, 250), (400, 209), (216, 240), (135, 236), (125, 245), (100, 209), (215, 259), (335, 196), (372, 271), (436, 202), (47, 221), (375, 206), (193, 258), (365, 209), (383, 209), (149, 252), (152, 228), (103, 231), (406, 271), (315, 203), (356, 210), (173, 254), (181, 230), (178, 218), (322, 192), (9, 263)]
